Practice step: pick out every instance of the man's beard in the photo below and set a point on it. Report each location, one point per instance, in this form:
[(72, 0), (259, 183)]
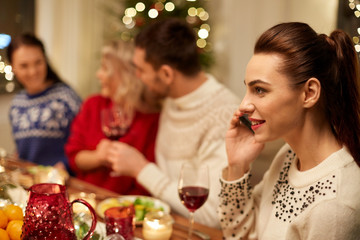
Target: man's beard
[(164, 90)]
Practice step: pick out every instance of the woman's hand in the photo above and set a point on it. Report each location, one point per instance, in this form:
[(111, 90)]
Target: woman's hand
[(101, 152), (125, 159), (241, 148), (87, 160)]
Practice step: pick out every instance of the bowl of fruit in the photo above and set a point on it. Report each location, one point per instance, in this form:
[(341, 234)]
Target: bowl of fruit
[(11, 221)]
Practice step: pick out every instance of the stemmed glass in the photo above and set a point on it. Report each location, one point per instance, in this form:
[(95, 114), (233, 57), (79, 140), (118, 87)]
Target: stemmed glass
[(115, 121), (193, 189)]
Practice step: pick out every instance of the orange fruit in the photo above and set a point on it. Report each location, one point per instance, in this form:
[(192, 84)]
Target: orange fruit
[(14, 229), (4, 235), (13, 212), (3, 220)]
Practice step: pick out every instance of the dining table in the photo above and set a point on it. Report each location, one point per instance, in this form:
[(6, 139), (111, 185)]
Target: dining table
[(75, 186)]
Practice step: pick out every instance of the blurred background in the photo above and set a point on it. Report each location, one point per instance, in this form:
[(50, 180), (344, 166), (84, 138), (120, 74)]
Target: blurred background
[(73, 32)]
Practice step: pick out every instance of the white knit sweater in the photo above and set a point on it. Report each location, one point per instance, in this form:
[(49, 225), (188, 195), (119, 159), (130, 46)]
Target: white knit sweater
[(192, 128), (322, 203)]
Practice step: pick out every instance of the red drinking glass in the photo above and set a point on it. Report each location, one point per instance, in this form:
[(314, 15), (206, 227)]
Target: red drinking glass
[(120, 220), (48, 214)]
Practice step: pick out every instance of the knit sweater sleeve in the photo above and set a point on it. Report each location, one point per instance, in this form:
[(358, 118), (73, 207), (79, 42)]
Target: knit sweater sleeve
[(320, 223), (238, 207)]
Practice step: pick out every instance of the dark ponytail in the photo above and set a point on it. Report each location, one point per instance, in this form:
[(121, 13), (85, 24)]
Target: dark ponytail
[(344, 108), (333, 61)]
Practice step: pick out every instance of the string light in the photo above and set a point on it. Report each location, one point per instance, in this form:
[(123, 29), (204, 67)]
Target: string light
[(159, 6), (10, 87), (2, 66), (169, 6), (140, 7), (192, 12), (355, 6), (126, 20), (5, 69), (137, 13), (203, 33), (194, 15), (9, 76), (130, 12), (153, 13)]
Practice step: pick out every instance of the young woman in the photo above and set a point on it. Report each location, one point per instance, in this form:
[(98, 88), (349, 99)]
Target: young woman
[(88, 148), (302, 87), (42, 112)]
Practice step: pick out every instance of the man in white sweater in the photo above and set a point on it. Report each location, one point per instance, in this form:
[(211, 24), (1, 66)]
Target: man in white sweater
[(193, 122)]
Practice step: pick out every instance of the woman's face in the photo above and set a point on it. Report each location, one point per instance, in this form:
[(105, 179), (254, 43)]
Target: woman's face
[(107, 80), (273, 106), (29, 66)]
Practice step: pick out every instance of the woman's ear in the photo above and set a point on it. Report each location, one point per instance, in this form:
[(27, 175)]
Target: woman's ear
[(312, 91), (166, 74)]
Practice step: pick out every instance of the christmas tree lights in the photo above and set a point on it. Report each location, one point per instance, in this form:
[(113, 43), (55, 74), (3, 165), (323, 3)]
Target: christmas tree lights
[(355, 6), (137, 14), (6, 73)]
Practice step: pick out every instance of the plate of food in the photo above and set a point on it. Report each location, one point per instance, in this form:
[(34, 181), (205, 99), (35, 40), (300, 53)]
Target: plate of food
[(30, 175), (142, 205)]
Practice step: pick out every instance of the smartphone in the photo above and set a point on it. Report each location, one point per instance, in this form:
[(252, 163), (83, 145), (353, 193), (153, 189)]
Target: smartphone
[(245, 120)]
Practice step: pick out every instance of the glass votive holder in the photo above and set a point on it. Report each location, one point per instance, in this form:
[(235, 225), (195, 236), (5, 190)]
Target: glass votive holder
[(120, 220), (114, 236), (157, 226)]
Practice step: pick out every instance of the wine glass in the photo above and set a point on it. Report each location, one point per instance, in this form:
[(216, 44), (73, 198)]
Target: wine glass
[(193, 189), (115, 121)]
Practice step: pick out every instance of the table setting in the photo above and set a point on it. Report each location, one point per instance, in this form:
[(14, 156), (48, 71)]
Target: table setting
[(56, 204)]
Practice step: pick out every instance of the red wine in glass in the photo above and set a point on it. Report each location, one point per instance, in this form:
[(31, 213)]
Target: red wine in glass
[(193, 197), (113, 133), (193, 189), (116, 121)]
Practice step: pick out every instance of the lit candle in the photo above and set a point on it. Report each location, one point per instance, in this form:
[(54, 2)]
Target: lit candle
[(157, 226)]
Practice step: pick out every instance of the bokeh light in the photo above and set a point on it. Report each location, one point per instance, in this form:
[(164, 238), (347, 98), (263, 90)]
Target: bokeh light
[(192, 12), (131, 12), (203, 33), (140, 7), (357, 48), (204, 16), (126, 36), (356, 40), (159, 6), (169, 6), (153, 13), (130, 25), (8, 69), (2, 66), (137, 13), (201, 43), (9, 76), (126, 20), (205, 26), (10, 87)]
